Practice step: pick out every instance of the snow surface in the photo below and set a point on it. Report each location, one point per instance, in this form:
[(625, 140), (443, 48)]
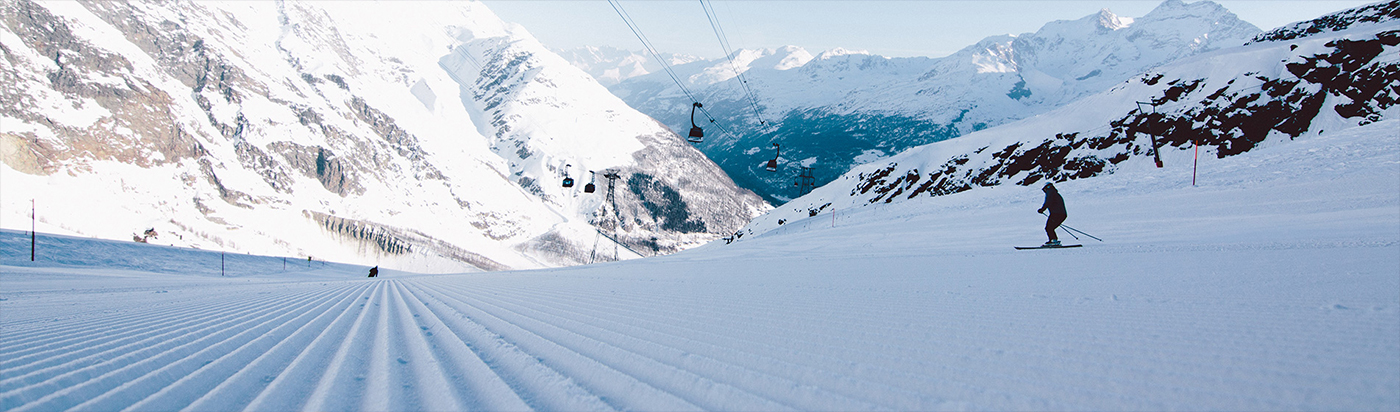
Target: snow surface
[(1274, 285)]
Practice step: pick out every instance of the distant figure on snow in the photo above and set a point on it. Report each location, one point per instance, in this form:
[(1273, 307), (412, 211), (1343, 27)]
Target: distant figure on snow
[(374, 272), (1056, 205)]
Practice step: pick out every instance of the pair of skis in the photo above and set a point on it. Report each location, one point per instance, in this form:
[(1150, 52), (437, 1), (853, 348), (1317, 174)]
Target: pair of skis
[(1046, 247)]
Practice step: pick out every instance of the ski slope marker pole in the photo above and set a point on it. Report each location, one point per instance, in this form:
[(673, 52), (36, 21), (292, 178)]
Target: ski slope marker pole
[(1156, 152), (33, 215), (1195, 160)]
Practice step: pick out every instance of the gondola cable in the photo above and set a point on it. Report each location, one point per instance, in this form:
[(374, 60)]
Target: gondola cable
[(723, 38), (646, 43), (651, 49)]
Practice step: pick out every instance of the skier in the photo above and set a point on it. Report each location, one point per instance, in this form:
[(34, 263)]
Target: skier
[(1056, 205), (374, 271)]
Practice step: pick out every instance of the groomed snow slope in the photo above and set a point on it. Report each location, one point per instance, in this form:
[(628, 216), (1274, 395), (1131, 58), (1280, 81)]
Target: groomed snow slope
[(1270, 286)]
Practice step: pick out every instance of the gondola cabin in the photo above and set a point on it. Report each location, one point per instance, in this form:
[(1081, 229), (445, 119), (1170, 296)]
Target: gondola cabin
[(773, 163), (697, 135)]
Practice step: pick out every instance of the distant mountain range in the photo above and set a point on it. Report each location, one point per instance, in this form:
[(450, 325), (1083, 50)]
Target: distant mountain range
[(1333, 73), (839, 108), (425, 136), (610, 65)]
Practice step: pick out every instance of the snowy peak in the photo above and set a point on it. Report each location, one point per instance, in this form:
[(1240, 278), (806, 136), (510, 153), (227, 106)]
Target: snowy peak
[(610, 65), (1085, 27), (744, 60), (1206, 24), (789, 57), (1110, 21), (838, 52), (782, 58)]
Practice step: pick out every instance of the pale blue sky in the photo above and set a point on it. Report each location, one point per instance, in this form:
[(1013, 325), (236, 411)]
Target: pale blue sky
[(889, 28)]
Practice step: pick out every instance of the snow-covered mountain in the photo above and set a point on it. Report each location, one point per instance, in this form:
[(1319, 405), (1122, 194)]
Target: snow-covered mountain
[(841, 108), (611, 65), (1273, 290), (1306, 79), (425, 136)]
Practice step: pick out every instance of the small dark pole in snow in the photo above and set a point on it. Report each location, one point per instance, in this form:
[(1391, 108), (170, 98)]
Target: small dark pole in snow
[(833, 217), (1156, 153), (1195, 160), (284, 263), (221, 263), (32, 217)]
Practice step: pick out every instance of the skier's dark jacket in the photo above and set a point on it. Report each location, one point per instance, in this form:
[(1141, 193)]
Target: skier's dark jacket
[(1054, 202)]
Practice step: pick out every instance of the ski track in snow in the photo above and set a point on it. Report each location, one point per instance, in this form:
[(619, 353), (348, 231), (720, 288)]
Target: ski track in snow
[(1265, 293), (594, 340)]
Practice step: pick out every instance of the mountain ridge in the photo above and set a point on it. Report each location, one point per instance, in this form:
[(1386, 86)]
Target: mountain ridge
[(296, 128), (840, 105), (1227, 102)]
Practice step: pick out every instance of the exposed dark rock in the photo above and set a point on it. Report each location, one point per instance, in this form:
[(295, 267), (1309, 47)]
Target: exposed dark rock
[(232, 197), (339, 81), (140, 122), (403, 143), (1374, 13), (1019, 91), (322, 164)]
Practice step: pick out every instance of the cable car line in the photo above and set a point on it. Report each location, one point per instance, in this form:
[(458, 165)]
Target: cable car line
[(729, 54), (627, 18), (764, 126), (646, 43)]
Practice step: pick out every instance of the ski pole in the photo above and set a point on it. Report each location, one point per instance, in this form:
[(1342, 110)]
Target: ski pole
[(1067, 229), (1071, 233), (1082, 233)]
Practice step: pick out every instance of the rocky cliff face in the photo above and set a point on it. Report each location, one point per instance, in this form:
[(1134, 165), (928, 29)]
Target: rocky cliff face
[(1271, 91), (422, 136), (839, 108)]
